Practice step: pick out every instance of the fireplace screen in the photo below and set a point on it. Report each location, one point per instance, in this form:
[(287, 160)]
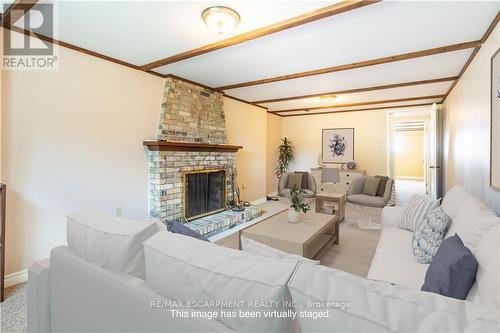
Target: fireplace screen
[(204, 193)]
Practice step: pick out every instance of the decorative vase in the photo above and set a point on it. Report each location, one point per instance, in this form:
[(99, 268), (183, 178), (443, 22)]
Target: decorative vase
[(351, 165), (293, 216)]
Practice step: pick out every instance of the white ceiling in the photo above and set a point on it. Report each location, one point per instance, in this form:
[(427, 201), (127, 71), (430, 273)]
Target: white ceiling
[(140, 32)]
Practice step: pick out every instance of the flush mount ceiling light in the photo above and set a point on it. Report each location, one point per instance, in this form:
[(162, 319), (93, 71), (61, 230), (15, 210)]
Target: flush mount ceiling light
[(328, 99), (220, 20)]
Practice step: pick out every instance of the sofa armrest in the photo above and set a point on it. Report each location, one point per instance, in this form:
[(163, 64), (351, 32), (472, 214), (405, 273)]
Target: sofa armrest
[(356, 304), (391, 216), (38, 304)]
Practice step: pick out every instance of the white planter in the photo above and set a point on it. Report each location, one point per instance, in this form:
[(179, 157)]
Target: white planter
[(293, 216)]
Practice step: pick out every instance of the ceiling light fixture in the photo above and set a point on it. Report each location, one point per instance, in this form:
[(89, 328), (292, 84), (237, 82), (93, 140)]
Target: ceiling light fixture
[(220, 20), (328, 99)]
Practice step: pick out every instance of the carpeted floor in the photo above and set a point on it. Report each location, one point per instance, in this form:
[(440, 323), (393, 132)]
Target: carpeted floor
[(353, 254), (13, 310)]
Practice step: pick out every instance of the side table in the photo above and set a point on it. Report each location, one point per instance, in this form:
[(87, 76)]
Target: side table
[(331, 203)]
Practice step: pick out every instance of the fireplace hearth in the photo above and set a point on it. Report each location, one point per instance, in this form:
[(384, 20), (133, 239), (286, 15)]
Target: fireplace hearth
[(204, 193)]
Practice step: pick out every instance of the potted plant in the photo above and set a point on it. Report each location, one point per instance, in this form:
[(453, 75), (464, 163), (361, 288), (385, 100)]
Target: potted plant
[(297, 205), (285, 156)]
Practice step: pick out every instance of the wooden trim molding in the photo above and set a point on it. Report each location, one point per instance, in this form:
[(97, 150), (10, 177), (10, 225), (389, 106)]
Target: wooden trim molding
[(309, 17), (80, 49), (366, 63), (357, 90), (161, 145), (12, 14), (357, 110), (473, 55), (384, 101)]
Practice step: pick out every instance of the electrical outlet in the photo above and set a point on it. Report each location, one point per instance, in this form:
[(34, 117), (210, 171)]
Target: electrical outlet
[(118, 211)]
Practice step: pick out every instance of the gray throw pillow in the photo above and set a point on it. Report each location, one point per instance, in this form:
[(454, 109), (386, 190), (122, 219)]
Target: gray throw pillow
[(294, 180), (453, 270), (429, 235), (371, 186), (381, 187)]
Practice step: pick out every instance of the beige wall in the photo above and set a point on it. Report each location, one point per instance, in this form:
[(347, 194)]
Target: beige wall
[(246, 126), (409, 154), (73, 138), (467, 128), (274, 135), (369, 138)]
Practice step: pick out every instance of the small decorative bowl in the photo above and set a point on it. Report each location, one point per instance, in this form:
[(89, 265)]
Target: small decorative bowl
[(351, 165)]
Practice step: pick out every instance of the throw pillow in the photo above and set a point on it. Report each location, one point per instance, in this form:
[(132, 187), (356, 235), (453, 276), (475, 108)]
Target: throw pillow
[(429, 235), (453, 270), (305, 178), (417, 210), (294, 180), (381, 187), (179, 228), (371, 186), (471, 223)]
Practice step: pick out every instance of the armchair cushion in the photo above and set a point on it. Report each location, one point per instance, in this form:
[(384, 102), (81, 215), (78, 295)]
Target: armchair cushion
[(381, 188), (356, 186), (294, 180), (366, 200), (371, 186)]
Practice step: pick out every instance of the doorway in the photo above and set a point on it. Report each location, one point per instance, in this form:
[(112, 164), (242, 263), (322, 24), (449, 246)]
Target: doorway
[(410, 141)]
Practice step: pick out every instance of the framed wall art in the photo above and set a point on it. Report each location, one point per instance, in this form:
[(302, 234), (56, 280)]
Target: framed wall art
[(338, 145)]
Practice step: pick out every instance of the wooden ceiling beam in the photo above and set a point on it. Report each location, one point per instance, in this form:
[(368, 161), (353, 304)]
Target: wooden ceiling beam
[(366, 63), (397, 100), (15, 11), (357, 110), (358, 90), (309, 17), (476, 50)]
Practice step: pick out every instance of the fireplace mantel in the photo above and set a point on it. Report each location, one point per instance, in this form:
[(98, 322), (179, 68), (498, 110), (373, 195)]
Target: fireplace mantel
[(162, 145)]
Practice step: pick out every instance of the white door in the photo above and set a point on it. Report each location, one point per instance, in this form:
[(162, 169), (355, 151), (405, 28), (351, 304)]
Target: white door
[(433, 172)]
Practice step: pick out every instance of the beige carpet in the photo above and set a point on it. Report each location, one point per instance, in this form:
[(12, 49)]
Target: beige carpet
[(353, 254), (13, 310)]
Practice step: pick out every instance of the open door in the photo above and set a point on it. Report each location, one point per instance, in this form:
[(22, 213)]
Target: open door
[(434, 158)]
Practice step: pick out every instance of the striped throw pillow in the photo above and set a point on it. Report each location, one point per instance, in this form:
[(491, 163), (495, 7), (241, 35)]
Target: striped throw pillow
[(417, 210)]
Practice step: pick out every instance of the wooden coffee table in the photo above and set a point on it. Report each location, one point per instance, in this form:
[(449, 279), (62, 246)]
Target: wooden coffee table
[(306, 238)]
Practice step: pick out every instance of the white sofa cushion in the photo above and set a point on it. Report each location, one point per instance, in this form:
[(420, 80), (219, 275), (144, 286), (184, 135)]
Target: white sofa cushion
[(471, 223), (453, 200), (394, 260), (391, 216), (486, 290), (110, 242), (417, 210), (188, 269), (355, 304), (260, 249)]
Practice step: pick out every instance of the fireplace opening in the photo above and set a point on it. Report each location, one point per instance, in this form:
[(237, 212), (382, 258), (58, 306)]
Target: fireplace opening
[(204, 193)]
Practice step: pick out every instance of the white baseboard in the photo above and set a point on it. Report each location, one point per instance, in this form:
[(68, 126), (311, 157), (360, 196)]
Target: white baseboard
[(16, 278), (258, 201)]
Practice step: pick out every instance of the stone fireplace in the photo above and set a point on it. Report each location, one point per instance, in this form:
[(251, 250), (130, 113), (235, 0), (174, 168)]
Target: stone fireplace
[(191, 140)]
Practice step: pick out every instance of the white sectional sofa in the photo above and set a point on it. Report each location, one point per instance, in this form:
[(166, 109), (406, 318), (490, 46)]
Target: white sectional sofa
[(71, 294)]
